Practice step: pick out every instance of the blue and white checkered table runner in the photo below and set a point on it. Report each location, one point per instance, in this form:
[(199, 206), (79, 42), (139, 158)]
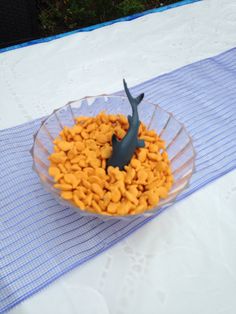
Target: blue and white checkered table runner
[(41, 240)]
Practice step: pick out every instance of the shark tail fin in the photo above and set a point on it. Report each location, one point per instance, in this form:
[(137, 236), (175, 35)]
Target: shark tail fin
[(132, 100), (139, 98)]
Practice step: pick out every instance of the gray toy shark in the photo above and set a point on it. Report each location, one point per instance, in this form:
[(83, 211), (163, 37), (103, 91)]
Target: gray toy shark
[(122, 151)]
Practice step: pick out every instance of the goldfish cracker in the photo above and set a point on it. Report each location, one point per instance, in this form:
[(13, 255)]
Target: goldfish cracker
[(154, 156), (104, 117), (72, 132), (58, 177), (78, 202), (112, 118), (112, 208), (97, 189), (77, 138), (121, 186), (100, 172), (107, 198), (68, 165), (98, 154), (151, 133), (133, 190), (56, 149), (91, 144), (53, 171), (75, 167), (153, 185), (143, 200), (168, 185), (91, 127), (142, 176), (87, 122), (152, 175), (80, 119), (83, 163), (109, 135), (96, 206), (161, 145), (63, 187), (62, 168), (65, 146), (110, 171), (162, 192), (106, 151), (96, 179), (168, 172), (71, 179), (62, 135), (147, 138), (101, 138), (130, 174), (89, 154), (77, 129), (140, 187), (104, 164), (57, 139), (153, 198), (135, 163), (165, 156), (96, 197), (124, 208), (142, 155), (122, 119), (140, 209), (161, 166), (131, 198), (102, 205), (71, 154), (119, 132), (115, 195), (86, 184), (95, 163), (89, 171), (84, 135), (80, 192), (58, 157), (80, 146), (153, 164), (80, 175), (67, 195), (65, 130), (75, 160), (104, 128), (169, 178), (88, 199), (118, 174)]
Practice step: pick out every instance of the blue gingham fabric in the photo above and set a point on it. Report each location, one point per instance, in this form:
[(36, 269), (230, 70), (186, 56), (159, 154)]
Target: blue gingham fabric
[(41, 240)]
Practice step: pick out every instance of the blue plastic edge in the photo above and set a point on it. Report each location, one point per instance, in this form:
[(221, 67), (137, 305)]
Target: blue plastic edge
[(96, 26)]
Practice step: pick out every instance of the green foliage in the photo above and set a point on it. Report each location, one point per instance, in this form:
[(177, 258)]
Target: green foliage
[(58, 16), (127, 7)]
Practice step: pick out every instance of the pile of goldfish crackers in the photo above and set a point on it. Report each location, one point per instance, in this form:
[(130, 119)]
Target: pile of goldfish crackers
[(78, 166)]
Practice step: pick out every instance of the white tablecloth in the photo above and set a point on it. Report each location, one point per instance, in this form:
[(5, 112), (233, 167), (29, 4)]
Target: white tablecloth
[(185, 260)]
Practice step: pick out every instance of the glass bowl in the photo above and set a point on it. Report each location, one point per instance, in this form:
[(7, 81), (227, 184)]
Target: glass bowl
[(178, 142)]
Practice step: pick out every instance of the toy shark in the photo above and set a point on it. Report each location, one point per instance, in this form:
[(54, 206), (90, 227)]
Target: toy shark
[(122, 151)]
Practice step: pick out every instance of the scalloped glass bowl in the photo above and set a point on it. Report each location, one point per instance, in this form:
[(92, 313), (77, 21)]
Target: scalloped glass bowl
[(178, 142)]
